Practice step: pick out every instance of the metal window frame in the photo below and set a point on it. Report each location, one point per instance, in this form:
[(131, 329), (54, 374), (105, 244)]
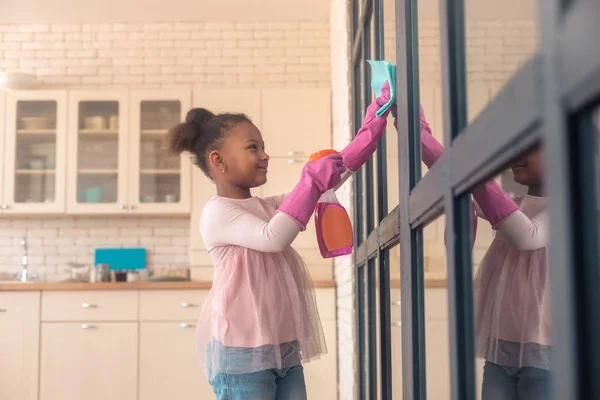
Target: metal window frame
[(548, 101)]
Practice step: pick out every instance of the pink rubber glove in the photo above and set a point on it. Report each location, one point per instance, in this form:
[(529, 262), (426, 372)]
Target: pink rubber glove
[(317, 177), (431, 151), (364, 144), (495, 203)]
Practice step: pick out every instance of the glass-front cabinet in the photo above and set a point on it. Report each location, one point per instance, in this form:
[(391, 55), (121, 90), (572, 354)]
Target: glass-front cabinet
[(35, 138), (117, 159), (98, 147), (159, 182)]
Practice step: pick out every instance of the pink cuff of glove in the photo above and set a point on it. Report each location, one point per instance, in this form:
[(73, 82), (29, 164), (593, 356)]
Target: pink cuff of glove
[(495, 203), (300, 203), (431, 150)]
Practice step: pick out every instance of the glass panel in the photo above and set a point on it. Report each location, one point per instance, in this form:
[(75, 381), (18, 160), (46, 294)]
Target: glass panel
[(512, 282), (362, 274), (98, 152), (500, 37), (437, 337), (396, 317), (35, 157), (160, 174)]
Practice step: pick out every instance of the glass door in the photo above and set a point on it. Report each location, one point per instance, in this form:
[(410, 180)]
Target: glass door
[(159, 182), (98, 152), (35, 141)]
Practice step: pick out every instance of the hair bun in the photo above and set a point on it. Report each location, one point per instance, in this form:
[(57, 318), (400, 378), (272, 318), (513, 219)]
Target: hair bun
[(198, 116)]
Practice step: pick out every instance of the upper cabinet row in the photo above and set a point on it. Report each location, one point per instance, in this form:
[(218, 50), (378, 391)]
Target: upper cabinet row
[(103, 152)]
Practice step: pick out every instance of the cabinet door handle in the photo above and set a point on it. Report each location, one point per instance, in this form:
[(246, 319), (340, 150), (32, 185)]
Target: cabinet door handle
[(295, 153), (397, 323), (88, 326), (293, 161), (188, 305), (88, 305), (4, 206), (184, 325)]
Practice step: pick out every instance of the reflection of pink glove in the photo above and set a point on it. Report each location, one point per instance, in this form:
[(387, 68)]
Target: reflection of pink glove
[(431, 151), (317, 177), (364, 143), (495, 203)]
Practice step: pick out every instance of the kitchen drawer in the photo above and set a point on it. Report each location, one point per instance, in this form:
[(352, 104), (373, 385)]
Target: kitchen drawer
[(171, 305), (90, 306)]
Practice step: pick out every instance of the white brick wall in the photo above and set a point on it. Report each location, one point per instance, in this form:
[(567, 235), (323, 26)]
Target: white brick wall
[(495, 48), (53, 242), (343, 266), (212, 54)]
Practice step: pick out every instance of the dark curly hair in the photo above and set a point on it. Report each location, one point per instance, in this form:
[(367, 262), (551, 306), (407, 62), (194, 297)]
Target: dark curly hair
[(201, 133)]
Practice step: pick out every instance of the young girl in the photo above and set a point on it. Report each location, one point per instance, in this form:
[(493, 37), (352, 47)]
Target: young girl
[(512, 288), (260, 319)]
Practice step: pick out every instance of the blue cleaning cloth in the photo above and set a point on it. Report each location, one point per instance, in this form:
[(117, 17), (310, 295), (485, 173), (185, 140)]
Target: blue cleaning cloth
[(383, 71)]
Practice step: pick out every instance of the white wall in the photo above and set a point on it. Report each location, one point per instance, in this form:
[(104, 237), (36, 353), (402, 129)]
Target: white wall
[(70, 44), (88, 11)]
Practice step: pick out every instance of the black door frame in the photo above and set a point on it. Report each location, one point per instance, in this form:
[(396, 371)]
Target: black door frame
[(549, 101)]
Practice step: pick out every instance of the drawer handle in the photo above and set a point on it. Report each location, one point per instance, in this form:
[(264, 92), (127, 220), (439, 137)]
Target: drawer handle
[(397, 323), (88, 326), (89, 305), (188, 305), (184, 325), (3, 310), (397, 303), (295, 153), (293, 161)]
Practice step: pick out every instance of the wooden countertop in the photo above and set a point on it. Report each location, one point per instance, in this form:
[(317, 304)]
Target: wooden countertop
[(34, 286), (429, 283)]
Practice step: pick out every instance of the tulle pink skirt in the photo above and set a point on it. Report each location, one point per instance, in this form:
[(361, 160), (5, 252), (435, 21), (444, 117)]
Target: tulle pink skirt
[(261, 313), (512, 306)]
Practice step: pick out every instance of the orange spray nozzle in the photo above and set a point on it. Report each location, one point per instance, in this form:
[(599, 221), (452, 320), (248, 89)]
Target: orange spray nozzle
[(320, 154)]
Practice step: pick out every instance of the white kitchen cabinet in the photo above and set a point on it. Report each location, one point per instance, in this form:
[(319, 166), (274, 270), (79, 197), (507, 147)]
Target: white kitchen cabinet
[(19, 345), (296, 122), (321, 375), (89, 360), (218, 101), (158, 182), (3, 205), (98, 152), (117, 163), (203, 189), (169, 366), (35, 141)]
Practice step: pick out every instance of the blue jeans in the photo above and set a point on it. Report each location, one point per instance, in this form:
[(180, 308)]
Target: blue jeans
[(511, 383), (271, 384)]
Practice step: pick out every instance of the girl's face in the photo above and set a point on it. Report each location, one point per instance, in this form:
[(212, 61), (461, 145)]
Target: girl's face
[(244, 158), (529, 170)]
